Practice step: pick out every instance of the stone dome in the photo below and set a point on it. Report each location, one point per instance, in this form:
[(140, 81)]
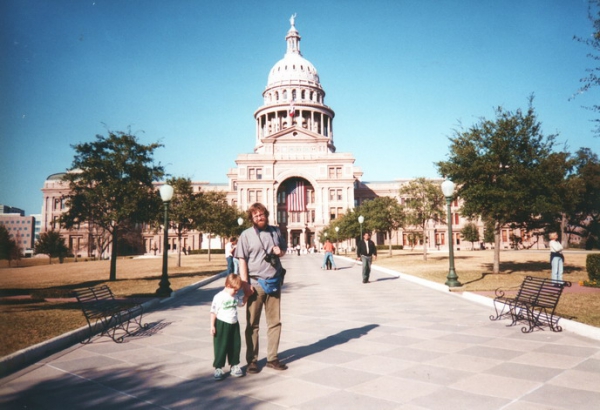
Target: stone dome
[(293, 68)]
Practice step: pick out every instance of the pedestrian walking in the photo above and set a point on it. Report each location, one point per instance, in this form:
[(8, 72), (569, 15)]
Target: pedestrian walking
[(366, 251)]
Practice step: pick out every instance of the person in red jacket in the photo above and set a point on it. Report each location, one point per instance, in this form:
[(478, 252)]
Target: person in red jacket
[(328, 248)]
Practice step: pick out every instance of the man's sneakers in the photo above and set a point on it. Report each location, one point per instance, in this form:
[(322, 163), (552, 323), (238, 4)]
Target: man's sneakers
[(277, 365), (218, 374), (236, 371)]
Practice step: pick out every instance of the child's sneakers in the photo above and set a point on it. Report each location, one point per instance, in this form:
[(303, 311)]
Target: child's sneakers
[(236, 371), (218, 374)]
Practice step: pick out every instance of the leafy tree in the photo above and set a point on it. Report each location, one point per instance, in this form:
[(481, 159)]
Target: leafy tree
[(577, 197), (110, 185), (592, 79), (51, 244), (424, 202), (470, 233), (504, 171), (584, 213), (215, 215), (348, 224), (489, 235), (9, 249), (413, 237), (231, 227), (515, 241), (384, 214)]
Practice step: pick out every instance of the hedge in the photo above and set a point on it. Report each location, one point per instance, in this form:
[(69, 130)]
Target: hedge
[(205, 251), (592, 264)]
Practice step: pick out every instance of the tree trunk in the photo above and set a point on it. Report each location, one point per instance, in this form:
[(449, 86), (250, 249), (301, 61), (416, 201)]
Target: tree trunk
[(113, 256), (209, 247), (390, 240), (496, 268), (424, 244)]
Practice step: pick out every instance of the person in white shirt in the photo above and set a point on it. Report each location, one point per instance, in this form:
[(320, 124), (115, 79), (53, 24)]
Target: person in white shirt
[(556, 257), (229, 252)]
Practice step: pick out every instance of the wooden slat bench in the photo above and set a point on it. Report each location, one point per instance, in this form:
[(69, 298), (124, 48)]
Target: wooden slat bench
[(108, 315), (534, 304)]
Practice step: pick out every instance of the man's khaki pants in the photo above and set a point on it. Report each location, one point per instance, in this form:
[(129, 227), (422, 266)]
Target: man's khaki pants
[(273, 315)]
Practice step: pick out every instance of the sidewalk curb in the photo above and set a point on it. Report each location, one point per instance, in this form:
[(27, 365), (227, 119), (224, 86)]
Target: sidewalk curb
[(578, 328), (32, 354)]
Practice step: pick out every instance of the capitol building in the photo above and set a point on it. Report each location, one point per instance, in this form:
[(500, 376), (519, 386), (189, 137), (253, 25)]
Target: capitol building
[(296, 169)]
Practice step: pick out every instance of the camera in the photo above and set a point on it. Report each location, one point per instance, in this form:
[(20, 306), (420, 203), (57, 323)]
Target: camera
[(271, 259)]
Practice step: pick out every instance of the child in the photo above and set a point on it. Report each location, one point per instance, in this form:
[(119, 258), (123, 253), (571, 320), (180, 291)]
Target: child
[(225, 328)]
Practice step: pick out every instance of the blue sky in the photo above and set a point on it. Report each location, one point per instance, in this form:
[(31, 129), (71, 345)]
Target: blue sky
[(401, 75)]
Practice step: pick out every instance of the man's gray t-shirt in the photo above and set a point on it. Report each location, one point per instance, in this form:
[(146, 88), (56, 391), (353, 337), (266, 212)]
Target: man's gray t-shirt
[(254, 245)]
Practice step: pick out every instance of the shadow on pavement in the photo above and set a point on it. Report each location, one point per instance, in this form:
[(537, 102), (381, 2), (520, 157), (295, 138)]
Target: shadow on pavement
[(342, 337)]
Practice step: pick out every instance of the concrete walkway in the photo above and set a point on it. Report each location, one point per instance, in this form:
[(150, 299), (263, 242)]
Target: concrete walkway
[(388, 344)]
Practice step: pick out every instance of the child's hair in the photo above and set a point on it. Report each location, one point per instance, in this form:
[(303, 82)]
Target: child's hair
[(233, 281)]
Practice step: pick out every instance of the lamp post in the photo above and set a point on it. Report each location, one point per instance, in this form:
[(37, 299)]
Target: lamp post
[(448, 190), (240, 221), (164, 288), (361, 219), (337, 235)]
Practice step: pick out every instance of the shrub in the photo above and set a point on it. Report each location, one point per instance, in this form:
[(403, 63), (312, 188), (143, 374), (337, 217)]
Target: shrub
[(205, 251), (386, 247), (592, 264)]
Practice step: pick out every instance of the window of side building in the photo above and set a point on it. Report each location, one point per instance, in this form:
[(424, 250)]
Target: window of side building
[(335, 172), (255, 173)]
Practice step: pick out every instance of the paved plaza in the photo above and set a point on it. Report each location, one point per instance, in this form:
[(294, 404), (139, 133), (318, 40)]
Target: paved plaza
[(388, 344)]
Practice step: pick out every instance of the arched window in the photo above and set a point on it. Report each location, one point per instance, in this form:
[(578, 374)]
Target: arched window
[(284, 95)]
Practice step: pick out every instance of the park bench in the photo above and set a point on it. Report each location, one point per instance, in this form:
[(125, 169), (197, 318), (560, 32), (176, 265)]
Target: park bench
[(534, 304), (108, 315)]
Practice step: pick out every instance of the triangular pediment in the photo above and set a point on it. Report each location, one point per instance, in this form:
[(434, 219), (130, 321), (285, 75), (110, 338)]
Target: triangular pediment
[(294, 134)]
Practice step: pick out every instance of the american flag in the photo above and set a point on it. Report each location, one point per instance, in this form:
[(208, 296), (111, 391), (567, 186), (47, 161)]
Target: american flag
[(292, 109), (296, 200)]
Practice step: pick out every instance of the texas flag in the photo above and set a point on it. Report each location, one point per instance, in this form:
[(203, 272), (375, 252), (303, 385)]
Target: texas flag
[(292, 109)]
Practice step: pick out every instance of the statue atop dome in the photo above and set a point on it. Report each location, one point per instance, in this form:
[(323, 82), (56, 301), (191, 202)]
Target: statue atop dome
[(293, 19)]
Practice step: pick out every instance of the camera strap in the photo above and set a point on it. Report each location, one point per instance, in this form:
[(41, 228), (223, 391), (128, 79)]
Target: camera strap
[(260, 240), (275, 243)]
